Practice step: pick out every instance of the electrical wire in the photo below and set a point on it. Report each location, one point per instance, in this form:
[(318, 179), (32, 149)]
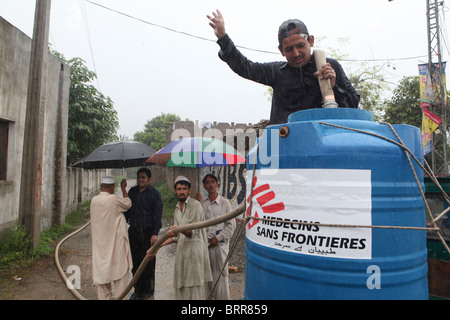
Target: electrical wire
[(443, 30), (88, 34), (238, 46), (385, 59)]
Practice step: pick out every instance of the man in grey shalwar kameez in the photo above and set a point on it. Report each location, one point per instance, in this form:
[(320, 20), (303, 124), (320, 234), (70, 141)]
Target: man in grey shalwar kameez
[(219, 237), (192, 269)]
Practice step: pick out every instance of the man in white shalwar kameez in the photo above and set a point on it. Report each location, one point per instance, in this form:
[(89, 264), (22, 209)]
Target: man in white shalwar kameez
[(111, 255), (218, 236), (192, 269)]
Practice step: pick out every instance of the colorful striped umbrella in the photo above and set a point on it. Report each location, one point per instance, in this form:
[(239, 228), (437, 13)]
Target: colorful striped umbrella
[(196, 152)]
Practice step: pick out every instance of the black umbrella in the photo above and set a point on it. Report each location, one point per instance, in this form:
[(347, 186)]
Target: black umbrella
[(123, 154)]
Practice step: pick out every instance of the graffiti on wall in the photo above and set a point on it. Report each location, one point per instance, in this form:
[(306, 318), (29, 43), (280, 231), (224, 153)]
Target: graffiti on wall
[(232, 183)]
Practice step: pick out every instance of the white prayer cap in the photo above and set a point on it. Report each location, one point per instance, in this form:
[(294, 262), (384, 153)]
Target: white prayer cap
[(109, 180), (181, 178)]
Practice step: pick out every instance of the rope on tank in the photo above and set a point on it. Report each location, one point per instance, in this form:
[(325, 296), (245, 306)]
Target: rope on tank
[(319, 224), (427, 170), (246, 218)]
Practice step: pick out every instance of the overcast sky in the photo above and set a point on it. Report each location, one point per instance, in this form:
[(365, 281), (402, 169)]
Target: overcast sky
[(146, 69)]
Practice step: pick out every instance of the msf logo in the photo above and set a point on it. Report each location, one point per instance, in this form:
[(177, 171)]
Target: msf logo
[(264, 197)]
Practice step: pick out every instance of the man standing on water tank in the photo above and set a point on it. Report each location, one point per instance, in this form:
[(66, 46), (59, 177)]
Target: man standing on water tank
[(295, 85)]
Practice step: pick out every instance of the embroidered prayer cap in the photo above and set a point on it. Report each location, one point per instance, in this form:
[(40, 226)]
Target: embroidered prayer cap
[(108, 180), (181, 178)]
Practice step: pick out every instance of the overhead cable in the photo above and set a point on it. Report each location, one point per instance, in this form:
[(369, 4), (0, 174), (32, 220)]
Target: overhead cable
[(242, 47), (88, 34)]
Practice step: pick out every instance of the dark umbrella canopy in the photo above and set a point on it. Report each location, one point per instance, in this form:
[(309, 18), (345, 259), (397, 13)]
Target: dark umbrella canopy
[(123, 154)]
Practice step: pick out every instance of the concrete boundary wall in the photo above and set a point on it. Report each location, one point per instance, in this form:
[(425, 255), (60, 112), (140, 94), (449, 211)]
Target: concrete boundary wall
[(63, 189)]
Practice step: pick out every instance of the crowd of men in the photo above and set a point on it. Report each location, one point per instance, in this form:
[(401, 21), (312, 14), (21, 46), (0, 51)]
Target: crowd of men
[(125, 227)]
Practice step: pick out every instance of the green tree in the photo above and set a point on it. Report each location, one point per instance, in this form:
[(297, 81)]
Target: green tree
[(92, 118), (365, 78), (404, 105), (370, 84), (154, 133)]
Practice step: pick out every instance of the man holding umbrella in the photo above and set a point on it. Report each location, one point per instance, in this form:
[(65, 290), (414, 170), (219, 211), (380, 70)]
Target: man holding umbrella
[(144, 218)]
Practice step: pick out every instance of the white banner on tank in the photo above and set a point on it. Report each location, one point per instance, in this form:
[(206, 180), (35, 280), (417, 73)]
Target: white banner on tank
[(328, 196)]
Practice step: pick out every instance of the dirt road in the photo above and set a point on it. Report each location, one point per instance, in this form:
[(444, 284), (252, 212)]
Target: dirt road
[(42, 281)]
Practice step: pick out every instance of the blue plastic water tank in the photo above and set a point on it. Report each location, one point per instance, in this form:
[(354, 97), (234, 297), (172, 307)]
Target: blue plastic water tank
[(326, 175)]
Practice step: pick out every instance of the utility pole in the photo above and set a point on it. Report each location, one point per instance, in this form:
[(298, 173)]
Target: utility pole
[(436, 72), (31, 181)]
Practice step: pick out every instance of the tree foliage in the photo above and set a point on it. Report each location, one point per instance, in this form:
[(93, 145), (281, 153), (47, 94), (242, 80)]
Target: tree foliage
[(404, 105), (92, 118), (366, 79), (154, 133), (370, 84)]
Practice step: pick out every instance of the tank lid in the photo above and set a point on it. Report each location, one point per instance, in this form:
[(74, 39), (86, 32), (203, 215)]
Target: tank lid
[(331, 113)]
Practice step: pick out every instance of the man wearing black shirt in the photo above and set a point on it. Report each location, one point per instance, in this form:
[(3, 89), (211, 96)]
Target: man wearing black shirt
[(294, 82), (144, 218)]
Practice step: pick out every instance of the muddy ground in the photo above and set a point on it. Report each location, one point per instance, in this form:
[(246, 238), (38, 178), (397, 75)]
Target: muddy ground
[(42, 281)]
